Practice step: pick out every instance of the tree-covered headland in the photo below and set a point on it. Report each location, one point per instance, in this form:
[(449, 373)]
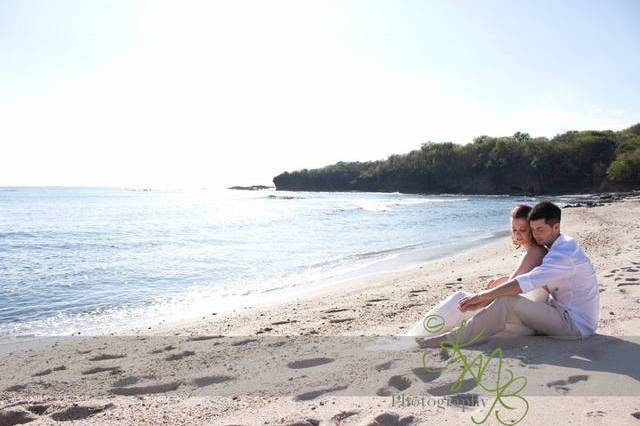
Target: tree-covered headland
[(576, 161)]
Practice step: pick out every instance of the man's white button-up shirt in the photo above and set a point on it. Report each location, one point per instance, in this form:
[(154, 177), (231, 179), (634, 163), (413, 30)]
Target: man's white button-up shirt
[(571, 279)]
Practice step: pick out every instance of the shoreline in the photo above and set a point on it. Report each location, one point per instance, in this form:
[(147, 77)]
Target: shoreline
[(344, 286), (498, 250), (286, 296), (402, 259)]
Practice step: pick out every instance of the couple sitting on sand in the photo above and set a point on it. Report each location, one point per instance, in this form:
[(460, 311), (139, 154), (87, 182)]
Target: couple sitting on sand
[(552, 292)]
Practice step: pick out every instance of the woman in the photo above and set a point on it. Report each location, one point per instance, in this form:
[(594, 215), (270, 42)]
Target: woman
[(532, 255), (532, 252)]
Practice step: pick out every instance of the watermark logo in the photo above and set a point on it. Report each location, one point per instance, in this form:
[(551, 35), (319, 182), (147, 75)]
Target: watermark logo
[(460, 401), (507, 389)]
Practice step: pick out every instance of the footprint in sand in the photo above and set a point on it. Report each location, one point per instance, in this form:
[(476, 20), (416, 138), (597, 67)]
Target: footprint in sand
[(305, 422), (340, 320), (143, 390), (399, 382), (179, 356), (424, 375), (19, 415), (112, 370), (384, 366), (411, 305), (384, 391), (283, 322), (79, 412), (622, 274), (333, 311), (465, 399), (38, 409), (629, 281), (16, 415), (445, 389), (126, 381), (165, 349), (316, 393), (202, 338), (210, 380), (308, 363), (42, 373), (15, 388), (562, 385), (244, 342), (343, 415), (104, 357), (49, 371), (394, 419)]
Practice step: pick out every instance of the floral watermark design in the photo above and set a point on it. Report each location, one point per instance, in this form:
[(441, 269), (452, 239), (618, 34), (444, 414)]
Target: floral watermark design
[(507, 392)]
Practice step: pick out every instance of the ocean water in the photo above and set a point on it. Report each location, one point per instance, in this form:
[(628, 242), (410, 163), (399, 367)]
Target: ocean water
[(96, 260)]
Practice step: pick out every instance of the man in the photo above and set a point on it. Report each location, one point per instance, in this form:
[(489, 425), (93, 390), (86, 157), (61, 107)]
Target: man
[(572, 310)]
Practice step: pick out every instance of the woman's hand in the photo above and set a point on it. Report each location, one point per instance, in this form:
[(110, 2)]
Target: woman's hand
[(491, 284), (474, 302), (496, 282)]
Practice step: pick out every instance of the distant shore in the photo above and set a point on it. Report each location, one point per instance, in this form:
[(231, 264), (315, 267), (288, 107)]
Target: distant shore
[(251, 188), (575, 161)]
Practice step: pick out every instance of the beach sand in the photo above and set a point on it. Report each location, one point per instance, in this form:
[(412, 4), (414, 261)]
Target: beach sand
[(308, 360)]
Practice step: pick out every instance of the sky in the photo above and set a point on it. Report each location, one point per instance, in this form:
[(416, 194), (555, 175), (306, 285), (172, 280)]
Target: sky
[(209, 94)]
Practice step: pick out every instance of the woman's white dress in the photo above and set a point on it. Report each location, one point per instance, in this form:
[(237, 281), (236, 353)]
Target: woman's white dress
[(448, 312)]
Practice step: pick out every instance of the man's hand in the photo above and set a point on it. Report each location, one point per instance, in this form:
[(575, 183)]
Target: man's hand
[(474, 302)]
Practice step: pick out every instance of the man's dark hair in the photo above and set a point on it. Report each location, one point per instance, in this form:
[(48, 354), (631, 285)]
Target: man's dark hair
[(546, 210)]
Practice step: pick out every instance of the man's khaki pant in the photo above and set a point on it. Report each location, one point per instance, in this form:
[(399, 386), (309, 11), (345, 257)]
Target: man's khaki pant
[(536, 317)]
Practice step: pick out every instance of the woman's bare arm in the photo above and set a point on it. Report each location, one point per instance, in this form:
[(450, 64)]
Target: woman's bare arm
[(529, 261), (508, 287)]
